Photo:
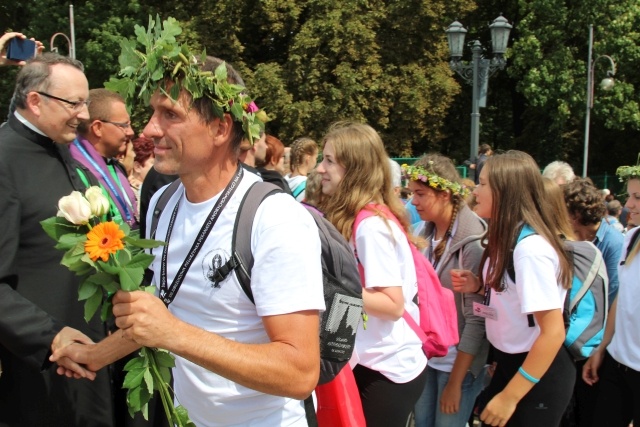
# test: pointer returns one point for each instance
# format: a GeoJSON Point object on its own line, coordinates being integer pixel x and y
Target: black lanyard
{"type": "Point", "coordinates": [167, 294]}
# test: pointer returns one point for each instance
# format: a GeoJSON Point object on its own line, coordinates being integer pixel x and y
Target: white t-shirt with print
{"type": "Point", "coordinates": [286, 278]}
{"type": "Point", "coordinates": [536, 266]}
{"type": "Point", "coordinates": [391, 348]}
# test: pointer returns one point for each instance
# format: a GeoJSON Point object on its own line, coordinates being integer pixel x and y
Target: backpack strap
{"type": "Point", "coordinates": [299, 188]}
{"type": "Point", "coordinates": [367, 212]}
{"type": "Point", "coordinates": [632, 242]}
{"type": "Point", "coordinates": [525, 231]}
{"type": "Point", "coordinates": [596, 266]}
{"type": "Point", "coordinates": [161, 204]}
{"type": "Point", "coordinates": [241, 259]}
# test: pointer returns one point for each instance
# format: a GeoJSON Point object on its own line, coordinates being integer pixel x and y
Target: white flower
{"type": "Point", "coordinates": [99, 203]}
{"type": "Point", "coordinates": [75, 208]}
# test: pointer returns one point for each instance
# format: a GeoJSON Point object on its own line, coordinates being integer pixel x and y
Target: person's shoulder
{"type": "Point", "coordinates": [611, 234]}
{"type": "Point", "coordinates": [377, 225]}
{"type": "Point", "coordinates": [533, 245]}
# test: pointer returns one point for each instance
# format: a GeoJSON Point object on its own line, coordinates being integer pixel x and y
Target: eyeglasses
{"type": "Point", "coordinates": [75, 105]}
{"type": "Point", "coordinates": [121, 125]}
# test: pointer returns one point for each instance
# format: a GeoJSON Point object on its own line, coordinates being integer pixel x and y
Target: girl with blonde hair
{"type": "Point", "coordinates": [615, 364]}
{"type": "Point", "coordinates": [534, 377]}
{"type": "Point", "coordinates": [389, 363]}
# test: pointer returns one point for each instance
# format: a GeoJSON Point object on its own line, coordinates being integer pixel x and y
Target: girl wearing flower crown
{"type": "Point", "coordinates": [453, 233]}
{"type": "Point", "coordinates": [534, 377]}
{"type": "Point", "coordinates": [390, 365]}
{"type": "Point", "coordinates": [615, 364]}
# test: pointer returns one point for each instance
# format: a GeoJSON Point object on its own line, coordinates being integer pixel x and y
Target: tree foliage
{"type": "Point", "coordinates": [386, 62]}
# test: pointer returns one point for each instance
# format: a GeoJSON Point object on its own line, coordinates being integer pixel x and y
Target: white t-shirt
{"type": "Point", "coordinates": [286, 278]}
{"type": "Point", "coordinates": [536, 265]}
{"type": "Point", "coordinates": [391, 348]}
{"type": "Point", "coordinates": [625, 344]}
{"type": "Point", "coordinates": [294, 182]}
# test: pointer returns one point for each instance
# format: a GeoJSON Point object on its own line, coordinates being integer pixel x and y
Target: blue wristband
{"type": "Point", "coordinates": [527, 376]}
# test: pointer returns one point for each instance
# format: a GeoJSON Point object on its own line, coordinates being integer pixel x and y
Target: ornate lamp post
{"type": "Point", "coordinates": [606, 84]}
{"type": "Point", "coordinates": [71, 41]}
{"type": "Point", "coordinates": [479, 69]}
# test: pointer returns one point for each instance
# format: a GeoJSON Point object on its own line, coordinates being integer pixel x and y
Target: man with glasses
{"type": "Point", "coordinates": [39, 308]}
{"type": "Point", "coordinates": [100, 139]}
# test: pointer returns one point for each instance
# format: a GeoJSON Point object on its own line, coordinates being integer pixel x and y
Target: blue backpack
{"type": "Point", "coordinates": [586, 305]}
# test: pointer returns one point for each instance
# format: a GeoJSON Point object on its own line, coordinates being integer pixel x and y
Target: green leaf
{"type": "Point", "coordinates": [101, 278]}
{"type": "Point", "coordinates": [120, 86]}
{"type": "Point", "coordinates": [164, 359]}
{"type": "Point", "coordinates": [138, 362]}
{"type": "Point", "coordinates": [111, 287]}
{"type": "Point", "coordinates": [124, 257]}
{"type": "Point", "coordinates": [80, 267]}
{"type": "Point", "coordinates": [57, 226]}
{"type": "Point", "coordinates": [87, 289]}
{"type": "Point", "coordinates": [70, 240]}
{"type": "Point", "coordinates": [108, 268]}
{"type": "Point", "coordinates": [149, 289]}
{"type": "Point", "coordinates": [125, 228]}
{"type": "Point", "coordinates": [141, 260]}
{"type": "Point", "coordinates": [236, 110]}
{"type": "Point", "coordinates": [91, 305]}
{"type": "Point", "coordinates": [144, 243]}
{"type": "Point", "coordinates": [165, 374]}
{"type": "Point", "coordinates": [183, 417]}
{"type": "Point", "coordinates": [130, 278]}
{"type": "Point", "coordinates": [148, 381]}
{"type": "Point", "coordinates": [69, 258]}
{"type": "Point", "coordinates": [138, 399]}
{"type": "Point", "coordinates": [134, 377]}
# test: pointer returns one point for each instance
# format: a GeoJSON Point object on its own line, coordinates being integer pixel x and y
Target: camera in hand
{"type": "Point", "coordinates": [21, 49]}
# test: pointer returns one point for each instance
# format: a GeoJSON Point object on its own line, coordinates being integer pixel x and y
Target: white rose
{"type": "Point", "coordinates": [75, 208]}
{"type": "Point", "coordinates": [99, 203]}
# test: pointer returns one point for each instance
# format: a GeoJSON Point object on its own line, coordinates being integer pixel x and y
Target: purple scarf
{"type": "Point", "coordinates": [120, 200]}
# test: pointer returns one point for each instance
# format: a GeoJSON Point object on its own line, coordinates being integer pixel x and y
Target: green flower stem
{"type": "Point", "coordinates": [165, 394]}
{"type": "Point", "coordinates": [163, 389]}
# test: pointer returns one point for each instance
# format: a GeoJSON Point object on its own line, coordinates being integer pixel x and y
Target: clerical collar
{"type": "Point", "coordinates": [28, 124]}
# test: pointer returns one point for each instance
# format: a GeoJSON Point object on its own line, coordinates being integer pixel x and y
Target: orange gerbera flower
{"type": "Point", "coordinates": [104, 239]}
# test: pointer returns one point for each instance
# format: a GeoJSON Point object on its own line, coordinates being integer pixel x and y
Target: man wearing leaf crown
{"type": "Point", "coordinates": [237, 362]}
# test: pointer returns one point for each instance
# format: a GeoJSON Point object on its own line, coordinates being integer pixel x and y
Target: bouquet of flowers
{"type": "Point", "coordinates": [111, 257]}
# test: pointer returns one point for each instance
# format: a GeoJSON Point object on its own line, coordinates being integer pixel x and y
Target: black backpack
{"type": "Point", "coordinates": [340, 277]}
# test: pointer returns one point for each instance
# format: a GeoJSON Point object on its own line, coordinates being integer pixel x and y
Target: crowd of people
{"type": "Point", "coordinates": [242, 361]}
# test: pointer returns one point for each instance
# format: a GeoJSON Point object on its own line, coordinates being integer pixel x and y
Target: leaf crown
{"type": "Point", "coordinates": [433, 180]}
{"type": "Point", "coordinates": [165, 65]}
{"type": "Point", "coordinates": [628, 172]}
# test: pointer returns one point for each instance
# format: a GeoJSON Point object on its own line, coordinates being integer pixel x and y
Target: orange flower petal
{"type": "Point", "coordinates": [103, 240]}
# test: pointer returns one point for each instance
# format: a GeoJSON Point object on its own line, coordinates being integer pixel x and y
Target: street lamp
{"type": "Point", "coordinates": [478, 71]}
{"type": "Point", "coordinates": [606, 84]}
{"type": "Point", "coordinates": [71, 41]}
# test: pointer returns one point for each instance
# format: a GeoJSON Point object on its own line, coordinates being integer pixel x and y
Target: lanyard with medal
{"type": "Point", "coordinates": [168, 293]}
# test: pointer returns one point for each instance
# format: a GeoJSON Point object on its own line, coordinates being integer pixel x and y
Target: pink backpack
{"type": "Point", "coordinates": [438, 329]}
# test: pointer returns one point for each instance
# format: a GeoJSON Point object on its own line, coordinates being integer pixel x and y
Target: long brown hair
{"type": "Point", "coordinates": [518, 197]}
{"type": "Point", "coordinates": [359, 149]}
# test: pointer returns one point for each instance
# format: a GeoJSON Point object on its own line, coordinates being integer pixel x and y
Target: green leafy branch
{"type": "Point", "coordinates": [150, 371]}
{"type": "Point", "coordinates": [162, 64]}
